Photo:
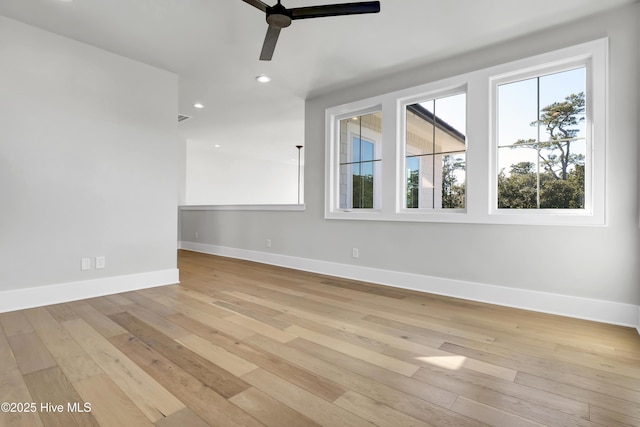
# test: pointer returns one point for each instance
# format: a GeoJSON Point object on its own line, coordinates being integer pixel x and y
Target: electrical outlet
{"type": "Point", "coordinates": [85, 264]}
{"type": "Point", "coordinates": [268, 243]}
{"type": "Point", "coordinates": [355, 253]}
{"type": "Point", "coordinates": [101, 262]}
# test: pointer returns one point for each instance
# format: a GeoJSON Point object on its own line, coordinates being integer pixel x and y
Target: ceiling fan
{"type": "Point", "coordinates": [279, 17]}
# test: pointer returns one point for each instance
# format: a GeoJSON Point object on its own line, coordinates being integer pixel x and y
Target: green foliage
{"type": "Point", "coordinates": [363, 191]}
{"type": "Point", "coordinates": [560, 181]}
{"type": "Point", "coordinates": [453, 194]}
{"type": "Point", "coordinates": [413, 188]}
{"type": "Point", "coordinates": [519, 190]}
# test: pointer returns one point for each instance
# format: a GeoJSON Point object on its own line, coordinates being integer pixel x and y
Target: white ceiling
{"type": "Point", "coordinates": [213, 45]}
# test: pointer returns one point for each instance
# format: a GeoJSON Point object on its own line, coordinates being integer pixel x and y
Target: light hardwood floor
{"type": "Point", "coordinates": [245, 344]}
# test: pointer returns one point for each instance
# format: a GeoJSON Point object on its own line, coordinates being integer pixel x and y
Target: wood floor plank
{"type": "Point", "coordinates": [52, 388]}
{"type": "Point", "coordinates": [428, 332]}
{"type": "Point", "coordinates": [62, 312]}
{"type": "Point", "coordinates": [242, 306]}
{"type": "Point", "coordinates": [14, 323]}
{"type": "Point", "coordinates": [610, 418]}
{"type": "Point", "coordinates": [118, 299]}
{"type": "Point", "coordinates": [255, 312]}
{"type": "Point", "coordinates": [213, 376]}
{"type": "Point", "coordinates": [104, 397]}
{"type": "Point", "coordinates": [365, 288]}
{"type": "Point", "coordinates": [403, 394]}
{"type": "Point", "coordinates": [302, 401]}
{"type": "Point", "coordinates": [628, 367]}
{"type": "Point", "coordinates": [203, 401]}
{"type": "Point", "coordinates": [593, 398]}
{"type": "Point", "coordinates": [221, 357]}
{"type": "Point", "coordinates": [285, 302]}
{"type": "Point", "coordinates": [150, 397]}
{"type": "Point", "coordinates": [359, 326]}
{"type": "Point", "coordinates": [183, 418]}
{"type": "Point", "coordinates": [14, 390]}
{"type": "Point", "coordinates": [377, 413]}
{"type": "Point", "coordinates": [490, 415]}
{"type": "Point", "coordinates": [150, 304]}
{"type": "Point", "coordinates": [399, 348]}
{"type": "Point", "coordinates": [270, 411]}
{"type": "Point", "coordinates": [181, 300]}
{"type": "Point", "coordinates": [355, 310]}
{"type": "Point", "coordinates": [372, 357]}
{"type": "Point", "coordinates": [105, 306]}
{"type": "Point", "coordinates": [163, 325]}
{"type": "Point", "coordinates": [316, 384]}
{"type": "Point", "coordinates": [260, 328]}
{"type": "Point", "coordinates": [98, 321]}
{"type": "Point", "coordinates": [535, 404]}
{"type": "Point", "coordinates": [76, 364]}
{"type": "Point", "coordinates": [7, 360]}
{"type": "Point", "coordinates": [543, 363]}
{"type": "Point", "coordinates": [213, 321]}
{"type": "Point", "coordinates": [30, 353]}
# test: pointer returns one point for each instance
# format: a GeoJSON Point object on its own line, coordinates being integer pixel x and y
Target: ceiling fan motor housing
{"type": "Point", "coordinates": [278, 16]}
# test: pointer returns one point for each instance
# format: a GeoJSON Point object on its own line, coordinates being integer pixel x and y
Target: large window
{"type": "Point", "coordinates": [435, 146]}
{"type": "Point", "coordinates": [542, 141]}
{"type": "Point", "coordinates": [360, 138]}
{"type": "Point", "coordinates": [517, 143]}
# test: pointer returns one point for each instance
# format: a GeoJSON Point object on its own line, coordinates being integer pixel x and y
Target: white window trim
{"type": "Point", "coordinates": [332, 177]}
{"type": "Point", "coordinates": [481, 154]}
{"type": "Point", "coordinates": [402, 148]}
{"type": "Point", "coordinates": [366, 135]}
{"type": "Point", "coordinates": [593, 56]}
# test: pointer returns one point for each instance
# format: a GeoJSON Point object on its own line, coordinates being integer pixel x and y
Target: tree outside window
{"type": "Point", "coordinates": [542, 167]}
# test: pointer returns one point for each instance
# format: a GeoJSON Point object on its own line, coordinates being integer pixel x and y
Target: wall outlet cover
{"type": "Point", "coordinates": [101, 262]}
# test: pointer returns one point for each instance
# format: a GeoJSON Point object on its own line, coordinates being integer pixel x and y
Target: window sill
{"type": "Point", "coordinates": [242, 208]}
{"type": "Point", "coordinates": [461, 217]}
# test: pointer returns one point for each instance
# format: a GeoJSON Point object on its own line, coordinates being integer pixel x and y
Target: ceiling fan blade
{"type": "Point", "coordinates": [269, 43]}
{"type": "Point", "coordinates": [335, 10]}
{"type": "Point", "coordinates": [257, 4]}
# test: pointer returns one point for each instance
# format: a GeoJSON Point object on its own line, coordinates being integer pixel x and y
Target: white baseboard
{"type": "Point", "coordinates": [582, 308]}
{"type": "Point", "coordinates": [19, 299]}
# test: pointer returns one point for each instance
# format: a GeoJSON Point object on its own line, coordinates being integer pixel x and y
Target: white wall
{"type": "Point", "coordinates": [88, 149]}
{"type": "Point", "coordinates": [598, 263]}
{"type": "Point", "coordinates": [219, 177]}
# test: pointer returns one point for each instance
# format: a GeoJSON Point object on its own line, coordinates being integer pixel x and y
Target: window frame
{"type": "Point", "coordinates": [402, 105]}
{"type": "Point", "coordinates": [332, 177]}
{"type": "Point", "coordinates": [366, 135]}
{"type": "Point", "coordinates": [481, 144]}
{"type": "Point", "coordinates": [592, 56]}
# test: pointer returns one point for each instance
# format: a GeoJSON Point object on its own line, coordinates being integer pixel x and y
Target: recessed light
{"type": "Point", "coordinates": [198, 105]}
{"type": "Point", "coordinates": [263, 79]}
{"type": "Point", "coordinates": [216, 146]}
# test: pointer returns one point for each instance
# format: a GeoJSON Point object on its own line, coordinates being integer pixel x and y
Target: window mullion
{"type": "Point", "coordinates": [387, 198]}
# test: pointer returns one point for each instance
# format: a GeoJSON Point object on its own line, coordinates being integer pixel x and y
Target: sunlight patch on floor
{"type": "Point", "coordinates": [448, 362]}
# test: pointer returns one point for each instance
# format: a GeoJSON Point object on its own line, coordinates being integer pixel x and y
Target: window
{"type": "Point", "coordinates": [517, 143]}
{"type": "Point", "coordinates": [542, 141]}
{"type": "Point", "coordinates": [435, 146]}
{"type": "Point", "coordinates": [360, 138]}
